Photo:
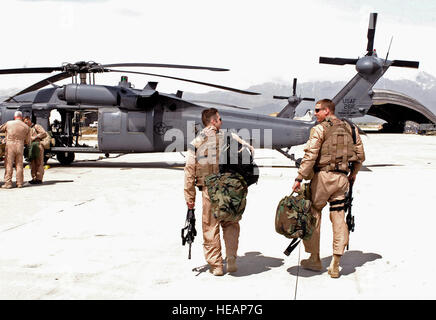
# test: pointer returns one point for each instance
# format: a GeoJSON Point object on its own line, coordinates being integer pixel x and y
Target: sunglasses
{"type": "Point", "coordinates": [318, 110]}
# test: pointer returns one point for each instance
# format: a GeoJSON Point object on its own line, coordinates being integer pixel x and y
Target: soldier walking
{"type": "Point", "coordinates": [37, 134]}
{"type": "Point", "coordinates": [333, 156]}
{"type": "Point", "coordinates": [17, 135]}
{"type": "Point", "coordinates": [203, 160]}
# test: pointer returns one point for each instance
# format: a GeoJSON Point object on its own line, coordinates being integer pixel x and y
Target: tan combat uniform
{"type": "Point", "coordinates": [38, 133]}
{"type": "Point", "coordinates": [17, 135]}
{"type": "Point", "coordinates": [325, 162]}
{"type": "Point", "coordinates": [203, 160]}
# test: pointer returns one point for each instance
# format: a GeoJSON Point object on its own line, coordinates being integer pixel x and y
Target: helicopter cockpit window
{"type": "Point", "coordinates": [112, 122]}
{"type": "Point", "coordinates": [136, 122]}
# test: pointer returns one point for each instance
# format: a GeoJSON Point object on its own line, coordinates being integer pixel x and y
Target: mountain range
{"type": "Point", "coordinates": [423, 89]}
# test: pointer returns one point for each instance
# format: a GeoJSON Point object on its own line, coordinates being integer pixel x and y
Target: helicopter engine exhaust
{"type": "Point", "coordinates": [89, 94]}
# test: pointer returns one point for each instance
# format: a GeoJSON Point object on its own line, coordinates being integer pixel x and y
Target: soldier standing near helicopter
{"type": "Point", "coordinates": [37, 134]}
{"type": "Point", "coordinates": [17, 135]}
{"type": "Point", "coordinates": [202, 160]}
{"type": "Point", "coordinates": [333, 156]}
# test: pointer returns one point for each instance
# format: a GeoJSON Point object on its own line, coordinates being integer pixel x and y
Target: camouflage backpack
{"type": "Point", "coordinates": [227, 193]}
{"type": "Point", "coordinates": [294, 218]}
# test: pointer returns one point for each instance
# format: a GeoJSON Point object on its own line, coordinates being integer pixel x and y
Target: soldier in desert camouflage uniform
{"type": "Point", "coordinates": [203, 160]}
{"type": "Point", "coordinates": [17, 135]}
{"type": "Point", "coordinates": [37, 134]}
{"type": "Point", "coordinates": [333, 156]}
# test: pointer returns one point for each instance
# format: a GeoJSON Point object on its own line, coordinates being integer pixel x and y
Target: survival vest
{"type": "Point", "coordinates": [47, 141]}
{"type": "Point", "coordinates": [338, 148]}
{"type": "Point", "coordinates": [207, 147]}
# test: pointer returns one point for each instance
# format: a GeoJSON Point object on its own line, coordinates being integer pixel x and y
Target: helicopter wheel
{"type": "Point", "coordinates": [65, 158]}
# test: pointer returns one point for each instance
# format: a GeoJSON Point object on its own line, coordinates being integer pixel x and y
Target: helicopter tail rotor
{"type": "Point", "coordinates": [370, 63]}
{"type": "Point", "coordinates": [405, 63]}
{"type": "Point", "coordinates": [293, 101]}
{"type": "Point", "coordinates": [371, 33]}
{"type": "Point", "coordinates": [337, 61]}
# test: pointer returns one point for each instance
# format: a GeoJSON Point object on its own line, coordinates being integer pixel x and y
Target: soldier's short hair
{"type": "Point", "coordinates": [26, 117]}
{"type": "Point", "coordinates": [328, 104]}
{"type": "Point", "coordinates": [18, 114]}
{"type": "Point", "coordinates": [207, 115]}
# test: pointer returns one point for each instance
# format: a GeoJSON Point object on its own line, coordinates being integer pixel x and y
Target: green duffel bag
{"type": "Point", "coordinates": [33, 151]}
{"type": "Point", "coordinates": [228, 195]}
{"type": "Point", "coordinates": [293, 216]}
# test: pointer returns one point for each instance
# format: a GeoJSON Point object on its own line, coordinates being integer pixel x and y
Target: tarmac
{"type": "Point", "coordinates": [110, 228]}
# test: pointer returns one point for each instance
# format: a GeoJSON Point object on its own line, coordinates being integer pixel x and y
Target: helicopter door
{"type": "Point", "coordinates": [124, 131]}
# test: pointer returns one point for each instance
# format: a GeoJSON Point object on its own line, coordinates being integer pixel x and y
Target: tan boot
{"type": "Point", "coordinates": [313, 263]}
{"type": "Point", "coordinates": [333, 269]}
{"type": "Point", "coordinates": [216, 271]}
{"type": "Point", "coordinates": [231, 264]}
{"type": "Point", "coordinates": [6, 186]}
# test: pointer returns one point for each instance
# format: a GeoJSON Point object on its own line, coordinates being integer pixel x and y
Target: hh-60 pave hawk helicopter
{"type": "Point", "coordinates": [134, 120]}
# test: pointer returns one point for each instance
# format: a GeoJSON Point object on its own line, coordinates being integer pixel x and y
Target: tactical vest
{"type": "Point", "coordinates": [207, 158]}
{"type": "Point", "coordinates": [338, 148]}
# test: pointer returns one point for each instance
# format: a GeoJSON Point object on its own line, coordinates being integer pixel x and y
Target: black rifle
{"type": "Point", "coordinates": [190, 230]}
{"type": "Point", "coordinates": [348, 205]}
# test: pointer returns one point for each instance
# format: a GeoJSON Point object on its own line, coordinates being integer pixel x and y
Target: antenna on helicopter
{"type": "Point", "coordinates": [389, 49]}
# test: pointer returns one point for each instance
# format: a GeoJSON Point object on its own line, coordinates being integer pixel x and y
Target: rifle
{"type": "Point", "coordinates": [190, 230]}
{"type": "Point", "coordinates": [348, 205]}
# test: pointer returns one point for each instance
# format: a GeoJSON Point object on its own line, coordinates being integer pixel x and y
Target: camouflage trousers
{"type": "Point", "coordinates": [211, 234]}
{"type": "Point", "coordinates": [14, 154]}
{"type": "Point", "coordinates": [327, 187]}
{"type": "Point", "coordinates": [37, 165]}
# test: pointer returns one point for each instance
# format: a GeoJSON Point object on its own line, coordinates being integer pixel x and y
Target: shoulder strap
{"type": "Point", "coordinates": [353, 129]}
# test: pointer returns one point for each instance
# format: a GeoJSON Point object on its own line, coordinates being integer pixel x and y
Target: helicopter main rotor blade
{"type": "Point", "coordinates": [371, 32]}
{"type": "Point", "coordinates": [187, 80]}
{"type": "Point", "coordinates": [162, 65]}
{"type": "Point", "coordinates": [405, 63]}
{"type": "Point", "coordinates": [219, 104]}
{"type": "Point", "coordinates": [42, 83]}
{"type": "Point", "coordinates": [30, 70]}
{"type": "Point", "coordinates": [308, 99]}
{"type": "Point", "coordinates": [338, 61]}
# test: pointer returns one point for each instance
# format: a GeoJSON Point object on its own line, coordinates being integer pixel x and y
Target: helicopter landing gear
{"type": "Point", "coordinates": [65, 158]}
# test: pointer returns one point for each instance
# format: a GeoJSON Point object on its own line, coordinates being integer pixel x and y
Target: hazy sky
{"type": "Point", "coordinates": [259, 41]}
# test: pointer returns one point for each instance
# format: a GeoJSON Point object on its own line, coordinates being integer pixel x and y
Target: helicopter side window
{"type": "Point", "coordinates": [112, 122]}
{"type": "Point", "coordinates": [136, 121]}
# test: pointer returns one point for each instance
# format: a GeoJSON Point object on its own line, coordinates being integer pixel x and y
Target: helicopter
{"type": "Point", "coordinates": [134, 120]}
{"type": "Point", "coordinates": [145, 120]}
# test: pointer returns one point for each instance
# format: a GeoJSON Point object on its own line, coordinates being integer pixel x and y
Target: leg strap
{"type": "Point", "coordinates": [337, 208]}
